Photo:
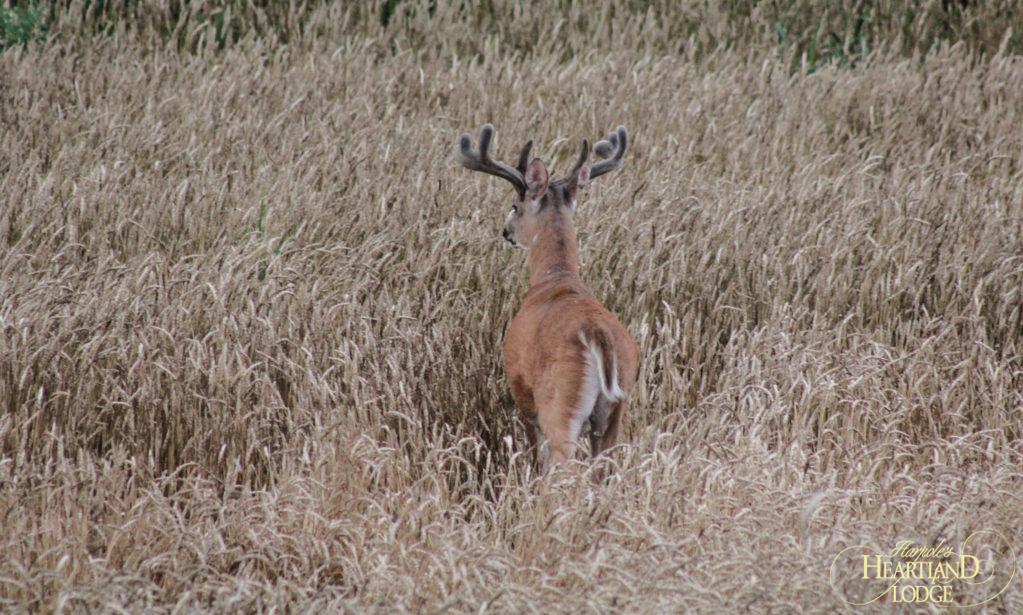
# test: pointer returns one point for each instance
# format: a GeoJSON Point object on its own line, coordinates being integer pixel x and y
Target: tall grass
{"type": "Point", "coordinates": [250, 310]}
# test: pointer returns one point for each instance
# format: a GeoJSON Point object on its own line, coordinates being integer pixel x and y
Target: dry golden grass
{"type": "Point", "coordinates": [250, 314]}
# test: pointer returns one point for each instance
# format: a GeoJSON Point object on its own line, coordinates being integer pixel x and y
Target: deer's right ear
{"type": "Point", "coordinates": [537, 179]}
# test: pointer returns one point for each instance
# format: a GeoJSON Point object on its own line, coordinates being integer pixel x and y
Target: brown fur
{"type": "Point", "coordinates": [544, 359]}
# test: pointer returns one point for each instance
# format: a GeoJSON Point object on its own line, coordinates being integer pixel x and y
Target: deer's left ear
{"type": "Point", "coordinates": [583, 176]}
{"type": "Point", "coordinates": [536, 179]}
{"type": "Point", "coordinates": [577, 181]}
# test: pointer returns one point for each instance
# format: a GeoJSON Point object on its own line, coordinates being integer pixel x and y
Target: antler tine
{"type": "Point", "coordinates": [612, 151]}
{"type": "Point", "coordinates": [584, 155]}
{"type": "Point", "coordinates": [524, 157]}
{"type": "Point", "coordinates": [481, 160]}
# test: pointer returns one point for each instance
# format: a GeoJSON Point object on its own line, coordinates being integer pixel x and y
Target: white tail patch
{"type": "Point", "coordinates": [610, 390]}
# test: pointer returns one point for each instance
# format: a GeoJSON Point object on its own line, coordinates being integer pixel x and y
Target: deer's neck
{"type": "Point", "coordinates": [554, 250]}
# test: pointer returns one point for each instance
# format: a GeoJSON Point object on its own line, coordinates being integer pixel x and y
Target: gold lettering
{"type": "Point", "coordinates": [876, 566]}
{"type": "Point", "coordinates": [962, 567]}
{"type": "Point", "coordinates": [900, 547]}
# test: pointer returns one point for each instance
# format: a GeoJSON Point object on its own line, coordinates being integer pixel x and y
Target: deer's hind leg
{"type": "Point", "coordinates": [564, 406]}
{"type": "Point", "coordinates": [539, 453]}
{"type": "Point", "coordinates": [600, 442]}
{"type": "Point", "coordinates": [598, 424]}
{"type": "Point", "coordinates": [561, 441]}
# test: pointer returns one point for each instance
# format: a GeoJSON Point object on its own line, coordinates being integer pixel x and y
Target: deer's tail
{"type": "Point", "coordinates": [601, 354]}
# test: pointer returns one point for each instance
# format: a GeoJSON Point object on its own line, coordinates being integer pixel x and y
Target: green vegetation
{"type": "Point", "coordinates": [812, 33]}
{"type": "Point", "coordinates": [21, 25]}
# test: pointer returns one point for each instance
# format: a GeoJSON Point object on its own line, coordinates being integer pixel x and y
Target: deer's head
{"type": "Point", "coordinates": [540, 201]}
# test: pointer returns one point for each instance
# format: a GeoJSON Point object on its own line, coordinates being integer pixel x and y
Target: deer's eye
{"type": "Point", "coordinates": [515, 209]}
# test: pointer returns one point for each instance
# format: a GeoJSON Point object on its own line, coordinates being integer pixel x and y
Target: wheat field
{"type": "Point", "coordinates": [251, 310]}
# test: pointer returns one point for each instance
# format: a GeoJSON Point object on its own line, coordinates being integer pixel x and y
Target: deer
{"type": "Point", "coordinates": [569, 362]}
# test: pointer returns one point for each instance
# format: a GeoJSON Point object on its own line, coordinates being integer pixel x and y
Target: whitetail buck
{"type": "Point", "coordinates": [570, 363]}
